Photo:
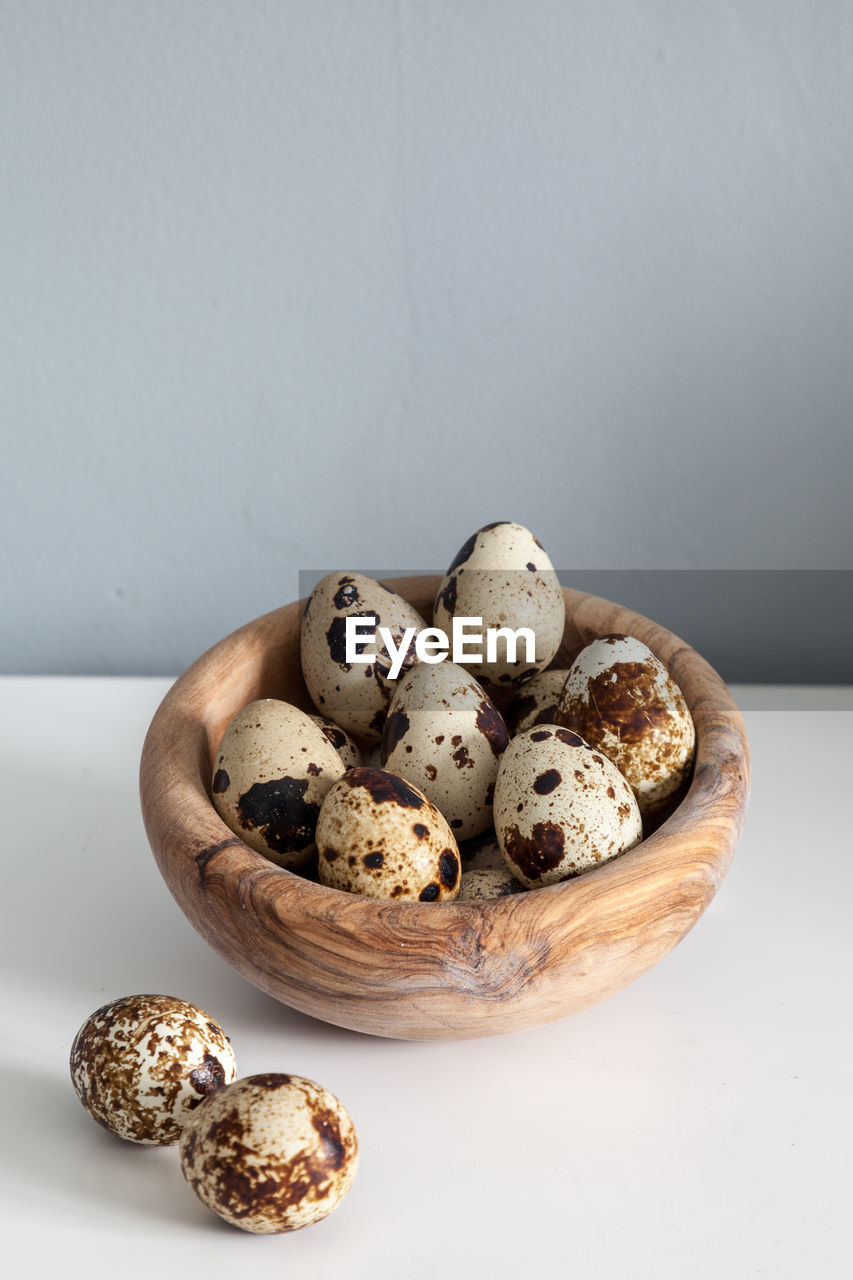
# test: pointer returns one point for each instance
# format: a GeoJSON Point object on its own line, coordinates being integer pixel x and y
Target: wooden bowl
{"type": "Point", "coordinates": [429, 971]}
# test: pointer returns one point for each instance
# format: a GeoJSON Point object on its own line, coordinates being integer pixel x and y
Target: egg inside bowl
{"type": "Point", "coordinates": [424, 971]}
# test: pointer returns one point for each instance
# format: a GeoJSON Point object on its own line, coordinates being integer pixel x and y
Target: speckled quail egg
{"type": "Point", "coordinates": [272, 770]}
{"type": "Point", "coordinates": [502, 575]}
{"type": "Point", "coordinates": [482, 852]}
{"type": "Point", "coordinates": [355, 695]}
{"type": "Point", "coordinates": [624, 701]}
{"type": "Point", "coordinates": [561, 807]}
{"type": "Point", "coordinates": [340, 740]}
{"type": "Point", "coordinates": [142, 1064]}
{"type": "Point", "coordinates": [446, 736]}
{"type": "Point", "coordinates": [271, 1153]}
{"type": "Point", "coordinates": [381, 837]}
{"type": "Point", "coordinates": [536, 701]}
{"type": "Point", "coordinates": [481, 884]}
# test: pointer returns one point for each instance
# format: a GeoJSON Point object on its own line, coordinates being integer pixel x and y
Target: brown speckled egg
{"type": "Point", "coordinates": [142, 1064]}
{"type": "Point", "coordinates": [561, 807]}
{"type": "Point", "coordinates": [272, 770]}
{"type": "Point", "coordinates": [481, 884]}
{"type": "Point", "coordinates": [536, 701]}
{"type": "Point", "coordinates": [482, 853]}
{"type": "Point", "coordinates": [353, 695]}
{"type": "Point", "coordinates": [381, 837]}
{"type": "Point", "coordinates": [340, 740]}
{"type": "Point", "coordinates": [271, 1153]}
{"type": "Point", "coordinates": [623, 700]}
{"type": "Point", "coordinates": [446, 736]}
{"type": "Point", "coordinates": [503, 576]}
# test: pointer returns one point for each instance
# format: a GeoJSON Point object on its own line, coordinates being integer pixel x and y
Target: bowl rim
{"type": "Point", "coordinates": [217, 879]}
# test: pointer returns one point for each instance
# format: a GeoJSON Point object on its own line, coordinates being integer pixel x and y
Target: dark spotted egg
{"type": "Point", "coordinates": [355, 695]}
{"type": "Point", "coordinates": [272, 770]}
{"type": "Point", "coordinates": [536, 701]}
{"type": "Point", "coordinates": [381, 837]}
{"type": "Point", "coordinates": [271, 1153]}
{"type": "Point", "coordinates": [142, 1064]}
{"type": "Point", "coordinates": [482, 853]}
{"type": "Point", "coordinates": [623, 700]}
{"type": "Point", "coordinates": [481, 884]}
{"type": "Point", "coordinates": [503, 575]}
{"type": "Point", "coordinates": [444, 734]}
{"type": "Point", "coordinates": [340, 740]}
{"type": "Point", "coordinates": [561, 807]}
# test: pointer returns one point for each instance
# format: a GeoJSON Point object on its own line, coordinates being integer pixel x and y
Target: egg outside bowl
{"type": "Point", "coordinates": [432, 971]}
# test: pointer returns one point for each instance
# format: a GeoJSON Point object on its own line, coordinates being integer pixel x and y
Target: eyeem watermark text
{"type": "Point", "coordinates": [433, 645]}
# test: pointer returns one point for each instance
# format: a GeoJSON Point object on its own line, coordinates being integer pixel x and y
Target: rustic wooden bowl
{"type": "Point", "coordinates": [429, 971]}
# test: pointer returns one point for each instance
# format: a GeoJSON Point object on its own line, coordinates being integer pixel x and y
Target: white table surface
{"type": "Point", "coordinates": [698, 1124]}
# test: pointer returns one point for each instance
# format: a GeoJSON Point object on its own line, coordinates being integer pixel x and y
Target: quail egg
{"type": "Point", "coordinates": [141, 1065]}
{"type": "Point", "coordinates": [272, 770]}
{"type": "Point", "coordinates": [561, 807]}
{"type": "Point", "coordinates": [355, 695]}
{"type": "Point", "coordinates": [340, 740]}
{"type": "Point", "coordinates": [482, 853]}
{"type": "Point", "coordinates": [381, 837]}
{"type": "Point", "coordinates": [536, 701]}
{"type": "Point", "coordinates": [503, 575]}
{"type": "Point", "coordinates": [623, 700]}
{"type": "Point", "coordinates": [271, 1153]}
{"type": "Point", "coordinates": [444, 734]}
{"type": "Point", "coordinates": [480, 884]}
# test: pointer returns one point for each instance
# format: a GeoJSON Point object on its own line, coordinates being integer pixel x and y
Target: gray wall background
{"type": "Point", "coordinates": [293, 285]}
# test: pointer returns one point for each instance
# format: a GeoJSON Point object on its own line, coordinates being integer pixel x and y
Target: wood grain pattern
{"type": "Point", "coordinates": [434, 971]}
